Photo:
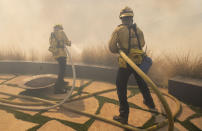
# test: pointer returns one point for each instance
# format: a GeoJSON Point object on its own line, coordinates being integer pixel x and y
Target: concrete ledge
{"type": "Point", "coordinates": [186, 89]}
{"type": "Point", "coordinates": [36, 68]}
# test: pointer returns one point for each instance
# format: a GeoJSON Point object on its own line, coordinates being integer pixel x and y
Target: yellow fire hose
{"type": "Point", "coordinates": [154, 87]}
{"type": "Point", "coordinates": [147, 79]}
{"type": "Point", "coordinates": [47, 102]}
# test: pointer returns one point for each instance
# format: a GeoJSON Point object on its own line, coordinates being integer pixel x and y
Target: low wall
{"type": "Point", "coordinates": [82, 71]}
{"type": "Point", "coordinates": [186, 89]}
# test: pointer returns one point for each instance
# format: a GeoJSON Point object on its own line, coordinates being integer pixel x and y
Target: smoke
{"type": "Point", "coordinates": [170, 26]}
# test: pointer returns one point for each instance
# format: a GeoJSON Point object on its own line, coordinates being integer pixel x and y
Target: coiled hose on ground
{"type": "Point", "coordinates": [22, 106]}
{"type": "Point", "coordinates": [55, 105]}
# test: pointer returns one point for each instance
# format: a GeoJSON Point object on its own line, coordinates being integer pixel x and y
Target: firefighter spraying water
{"type": "Point", "coordinates": [58, 40]}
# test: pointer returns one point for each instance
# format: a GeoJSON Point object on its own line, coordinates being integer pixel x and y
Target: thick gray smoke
{"type": "Point", "coordinates": [174, 25]}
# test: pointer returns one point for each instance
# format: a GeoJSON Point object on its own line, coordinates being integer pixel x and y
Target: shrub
{"type": "Point", "coordinates": [98, 55]}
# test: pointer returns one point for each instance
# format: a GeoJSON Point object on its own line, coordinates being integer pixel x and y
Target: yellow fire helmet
{"type": "Point", "coordinates": [125, 12]}
{"type": "Point", "coordinates": [58, 26]}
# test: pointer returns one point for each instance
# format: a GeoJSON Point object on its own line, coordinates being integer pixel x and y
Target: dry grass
{"type": "Point", "coordinates": [164, 67]}
{"type": "Point", "coordinates": [48, 58]}
{"type": "Point", "coordinates": [186, 65]}
{"type": "Point", "coordinates": [33, 55]}
{"type": "Point", "coordinates": [20, 55]}
{"type": "Point", "coordinates": [98, 55]}
{"type": "Point", "coordinates": [12, 54]}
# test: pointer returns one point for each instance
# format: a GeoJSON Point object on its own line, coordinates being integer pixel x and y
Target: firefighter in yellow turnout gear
{"type": "Point", "coordinates": [58, 40]}
{"type": "Point", "coordinates": [130, 39]}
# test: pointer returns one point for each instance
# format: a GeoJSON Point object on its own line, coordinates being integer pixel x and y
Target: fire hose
{"type": "Point", "coordinates": [53, 104]}
{"type": "Point", "coordinates": [154, 88]}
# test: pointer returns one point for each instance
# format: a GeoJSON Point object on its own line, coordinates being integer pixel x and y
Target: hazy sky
{"type": "Point", "coordinates": [168, 25]}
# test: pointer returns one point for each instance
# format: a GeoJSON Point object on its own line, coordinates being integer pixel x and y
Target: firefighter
{"type": "Point", "coordinates": [125, 38]}
{"type": "Point", "coordinates": [58, 40]}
